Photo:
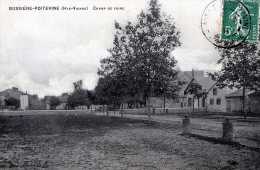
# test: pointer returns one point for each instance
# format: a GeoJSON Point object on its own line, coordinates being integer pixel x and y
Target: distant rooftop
{"type": "Point", "coordinates": [239, 93]}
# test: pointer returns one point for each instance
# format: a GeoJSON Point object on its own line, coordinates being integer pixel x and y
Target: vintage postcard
{"type": "Point", "coordinates": [78, 79]}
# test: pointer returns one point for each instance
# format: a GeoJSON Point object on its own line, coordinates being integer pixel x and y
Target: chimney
{"type": "Point", "coordinates": [192, 73]}
{"type": "Point", "coordinates": [15, 89]}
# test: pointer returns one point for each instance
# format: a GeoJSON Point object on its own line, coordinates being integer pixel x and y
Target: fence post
{"type": "Point", "coordinates": [227, 130]}
{"type": "Point", "coordinates": [186, 125]}
{"type": "Point", "coordinates": [153, 110]}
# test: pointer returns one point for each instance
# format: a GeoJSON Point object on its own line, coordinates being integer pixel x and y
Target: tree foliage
{"type": "Point", "coordinates": [107, 91]}
{"type": "Point", "coordinates": [54, 101]}
{"type": "Point", "coordinates": [140, 60]}
{"type": "Point", "coordinates": [11, 101]}
{"type": "Point", "coordinates": [197, 91]}
{"type": "Point", "coordinates": [80, 96]}
{"type": "Point", "coordinates": [240, 68]}
{"type": "Point", "coordinates": [150, 42]}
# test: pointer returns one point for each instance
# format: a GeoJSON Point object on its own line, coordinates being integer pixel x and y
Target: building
{"type": "Point", "coordinates": [63, 102]}
{"type": "Point", "coordinates": [235, 100]}
{"type": "Point", "coordinates": [214, 102]}
{"type": "Point", "coordinates": [24, 102]}
{"type": "Point", "coordinates": [48, 103]}
{"type": "Point", "coordinates": [27, 102]}
{"type": "Point", "coordinates": [13, 92]}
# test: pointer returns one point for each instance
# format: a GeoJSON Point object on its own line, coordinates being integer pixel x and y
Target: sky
{"type": "Point", "coordinates": [44, 51]}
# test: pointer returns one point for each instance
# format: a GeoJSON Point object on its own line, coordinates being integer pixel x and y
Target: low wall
{"type": "Point", "coordinates": [45, 112]}
{"type": "Point", "coordinates": [159, 111]}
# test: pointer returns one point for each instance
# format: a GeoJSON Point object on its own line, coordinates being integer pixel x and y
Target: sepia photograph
{"type": "Point", "coordinates": [129, 84]}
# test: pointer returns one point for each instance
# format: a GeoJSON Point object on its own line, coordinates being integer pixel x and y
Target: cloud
{"type": "Point", "coordinates": [44, 52]}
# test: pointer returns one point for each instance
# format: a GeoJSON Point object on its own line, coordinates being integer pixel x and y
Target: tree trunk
{"type": "Point", "coordinates": [107, 110]}
{"type": "Point", "coordinates": [114, 108]}
{"type": "Point", "coordinates": [149, 108]}
{"type": "Point", "coordinates": [122, 106]}
{"type": "Point", "coordinates": [164, 103]}
{"type": "Point", "coordinates": [243, 104]}
{"type": "Point", "coordinates": [193, 105]}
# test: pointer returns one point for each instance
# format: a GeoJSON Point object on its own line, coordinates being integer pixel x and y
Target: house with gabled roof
{"type": "Point", "coordinates": [215, 99]}
{"type": "Point", "coordinates": [13, 92]}
{"type": "Point", "coordinates": [214, 102]}
{"type": "Point", "coordinates": [27, 101]}
{"type": "Point", "coordinates": [17, 94]}
{"type": "Point", "coordinates": [235, 100]}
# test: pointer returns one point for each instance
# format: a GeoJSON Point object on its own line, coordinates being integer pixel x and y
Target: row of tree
{"type": "Point", "coordinates": [140, 63]}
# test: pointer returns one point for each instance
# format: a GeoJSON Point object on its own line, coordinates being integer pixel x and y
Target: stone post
{"type": "Point", "coordinates": [227, 130]}
{"type": "Point", "coordinates": [186, 125]}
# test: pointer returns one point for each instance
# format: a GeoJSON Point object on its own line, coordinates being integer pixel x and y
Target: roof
{"type": "Point", "coordinates": [63, 98]}
{"type": "Point", "coordinates": [48, 100]}
{"type": "Point", "coordinates": [239, 93]}
{"type": "Point", "coordinates": [13, 92]}
{"type": "Point", "coordinates": [197, 73]}
{"type": "Point", "coordinates": [255, 94]}
{"type": "Point", "coordinates": [205, 82]}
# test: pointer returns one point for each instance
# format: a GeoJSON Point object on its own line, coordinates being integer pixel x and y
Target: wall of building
{"type": "Point", "coordinates": [24, 102]}
{"type": "Point", "coordinates": [157, 111]}
{"type": "Point", "coordinates": [215, 106]}
{"type": "Point", "coordinates": [218, 104]}
{"type": "Point", "coordinates": [62, 106]}
{"type": "Point", "coordinates": [158, 102]}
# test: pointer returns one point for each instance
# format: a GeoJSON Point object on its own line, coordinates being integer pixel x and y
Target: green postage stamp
{"type": "Point", "coordinates": [240, 20]}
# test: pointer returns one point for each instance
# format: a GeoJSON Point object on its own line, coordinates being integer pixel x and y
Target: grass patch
{"type": "Point", "coordinates": [58, 123]}
{"type": "Point", "coordinates": [222, 142]}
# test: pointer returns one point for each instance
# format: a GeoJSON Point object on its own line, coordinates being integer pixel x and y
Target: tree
{"type": "Point", "coordinates": [107, 91]}
{"type": "Point", "coordinates": [170, 91]}
{"type": "Point", "coordinates": [197, 91]}
{"type": "Point", "coordinates": [78, 85]}
{"type": "Point", "coordinates": [240, 68]}
{"type": "Point", "coordinates": [100, 89]}
{"type": "Point", "coordinates": [115, 69]}
{"type": "Point", "coordinates": [79, 97]}
{"type": "Point", "coordinates": [143, 53]}
{"type": "Point", "coordinates": [11, 101]}
{"type": "Point", "coordinates": [54, 101]}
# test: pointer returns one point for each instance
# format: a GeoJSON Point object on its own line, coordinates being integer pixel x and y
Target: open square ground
{"type": "Point", "coordinates": [69, 141]}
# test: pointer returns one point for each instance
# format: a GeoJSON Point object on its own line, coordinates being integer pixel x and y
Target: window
{"type": "Point", "coordinates": [215, 91]}
{"type": "Point", "coordinates": [189, 102]}
{"type": "Point", "coordinates": [211, 101]}
{"type": "Point", "coordinates": [203, 102]}
{"type": "Point", "coordinates": [218, 101]}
